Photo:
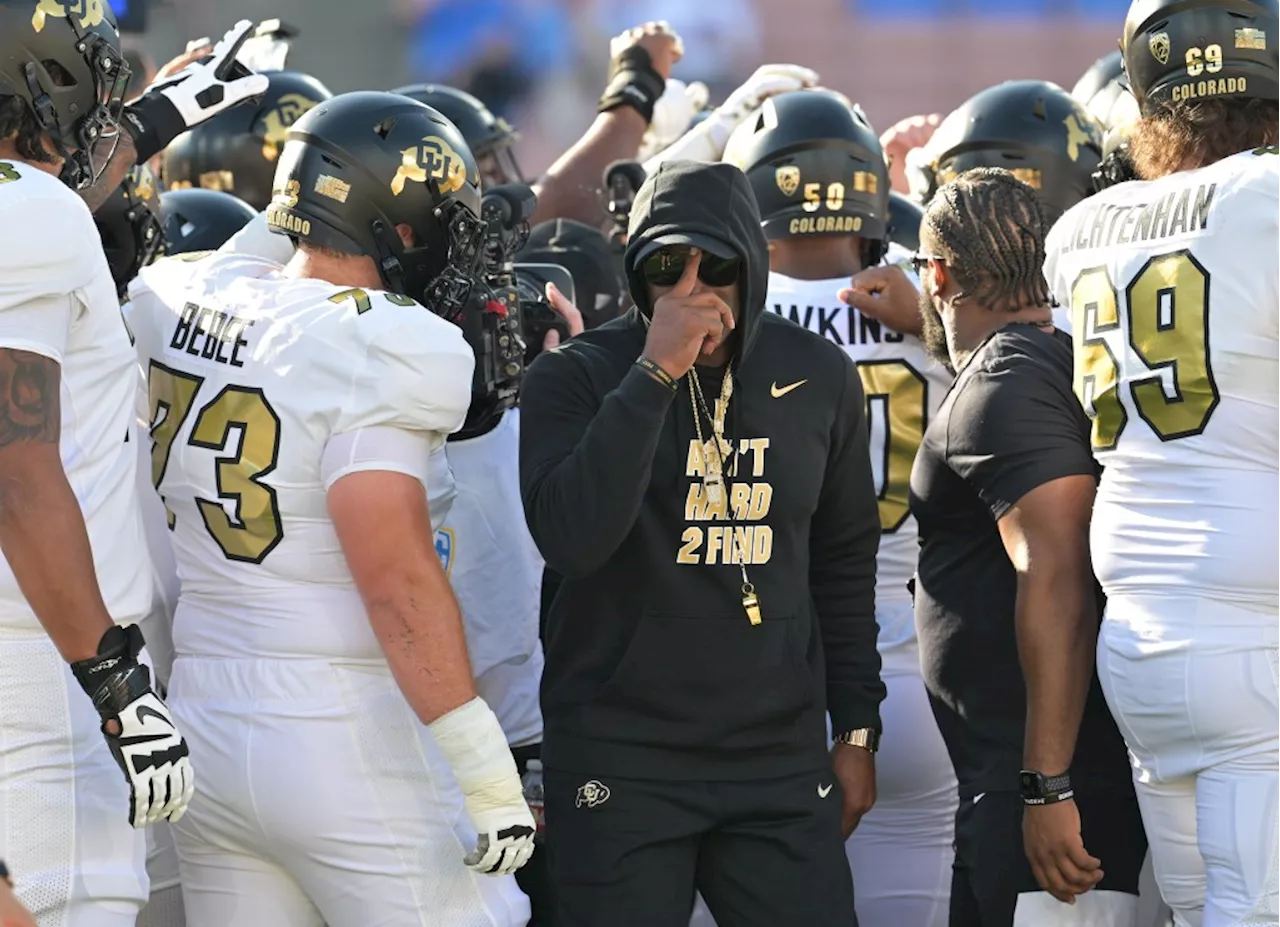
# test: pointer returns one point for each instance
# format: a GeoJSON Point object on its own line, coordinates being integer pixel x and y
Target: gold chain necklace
{"type": "Point", "coordinates": [713, 454]}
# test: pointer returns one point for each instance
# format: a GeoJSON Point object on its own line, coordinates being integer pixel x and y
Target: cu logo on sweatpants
{"type": "Point", "coordinates": [592, 793]}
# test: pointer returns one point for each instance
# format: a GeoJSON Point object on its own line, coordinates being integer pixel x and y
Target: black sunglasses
{"type": "Point", "coordinates": [920, 261]}
{"type": "Point", "coordinates": [666, 265]}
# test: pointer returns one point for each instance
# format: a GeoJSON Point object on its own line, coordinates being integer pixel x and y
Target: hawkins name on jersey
{"type": "Point", "coordinates": [250, 373]}
{"type": "Point", "coordinates": [904, 388]}
{"type": "Point", "coordinates": [1173, 290]}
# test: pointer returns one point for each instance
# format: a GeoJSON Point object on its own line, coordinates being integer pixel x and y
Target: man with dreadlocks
{"type": "Point", "coordinates": [1006, 603]}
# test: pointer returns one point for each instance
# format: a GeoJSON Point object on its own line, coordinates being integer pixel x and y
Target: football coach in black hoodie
{"type": "Point", "coordinates": [698, 471]}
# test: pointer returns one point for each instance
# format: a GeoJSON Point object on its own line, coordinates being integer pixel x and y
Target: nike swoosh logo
{"type": "Point", "coordinates": [823, 793]}
{"type": "Point", "coordinates": [777, 392]}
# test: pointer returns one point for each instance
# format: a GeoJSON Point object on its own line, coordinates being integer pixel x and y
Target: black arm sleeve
{"type": "Point", "coordinates": [1014, 428]}
{"type": "Point", "coordinates": [843, 541]}
{"type": "Point", "coordinates": [585, 462]}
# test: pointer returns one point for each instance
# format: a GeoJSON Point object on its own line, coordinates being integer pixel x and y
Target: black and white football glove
{"type": "Point", "coordinates": [146, 743]}
{"type": "Point", "coordinates": [473, 743]}
{"type": "Point", "coordinates": [198, 92]}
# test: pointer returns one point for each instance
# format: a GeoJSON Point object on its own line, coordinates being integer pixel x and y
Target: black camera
{"type": "Point", "coordinates": [536, 314]}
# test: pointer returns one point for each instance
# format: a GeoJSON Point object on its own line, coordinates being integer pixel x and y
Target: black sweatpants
{"type": "Point", "coordinates": [991, 868]}
{"type": "Point", "coordinates": [628, 853]}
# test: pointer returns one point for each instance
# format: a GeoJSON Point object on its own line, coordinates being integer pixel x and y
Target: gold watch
{"type": "Point", "coordinates": [868, 738]}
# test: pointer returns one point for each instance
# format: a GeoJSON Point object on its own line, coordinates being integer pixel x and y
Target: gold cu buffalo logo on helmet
{"type": "Point", "coordinates": [275, 124]}
{"type": "Point", "coordinates": [144, 182]}
{"type": "Point", "coordinates": [788, 179]}
{"type": "Point", "coordinates": [1077, 135]}
{"type": "Point", "coordinates": [431, 159]}
{"type": "Point", "coordinates": [88, 12]}
{"type": "Point", "coordinates": [1159, 45]}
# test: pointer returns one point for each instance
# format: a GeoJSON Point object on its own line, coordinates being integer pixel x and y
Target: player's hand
{"type": "Point", "coordinates": [196, 50]}
{"type": "Point", "coordinates": [855, 768]}
{"type": "Point", "coordinates": [686, 324]}
{"type": "Point", "coordinates": [672, 114]}
{"type": "Point", "coordinates": [1055, 849]}
{"type": "Point", "coordinates": [664, 46]}
{"type": "Point", "coordinates": [208, 86]}
{"type": "Point", "coordinates": [567, 311]}
{"type": "Point", "coordinates": [138, 728]}
{"type": "Point", "coordinates": [885, 293]}
{"type": "Point", "coordinates": [909, 133]}
{"type": "Point", "coordinates": [12, 913]}
{"type": "Point", "coordinates": [769, 80]}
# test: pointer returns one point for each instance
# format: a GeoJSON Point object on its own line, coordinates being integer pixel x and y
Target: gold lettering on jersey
{"type": "Point", "coordinates": [1253, 39]}
{"type": "Point", "coordinates": [1178, 212]}
{"type": "Point", "coordinates": [431, 159]}
{"type": "Point", "coordinates": [218, 329]}
{"type": "Point", "coordinates": [280, 218]}
{"type": "Point", "coordinates": [88, 12]}
{"type": "Point", "coordinates": [1194, 90]}
{"type": "Point", "coordinates": [732, 542]}
{"type": "Point", "coordinates": [788, 179]}
{"type": "Point", "coordinates": [276, 122]}
{"type": "Point", "coordinates": [817, 225]}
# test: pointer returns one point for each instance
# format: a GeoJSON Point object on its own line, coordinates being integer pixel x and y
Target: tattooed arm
{"type": "Point", "coordinates": [42, 531]}
{"type": "Point", "coordinates": [123, 159]}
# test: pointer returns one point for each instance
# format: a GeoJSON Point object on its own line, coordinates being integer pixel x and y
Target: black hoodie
{"type": "Point", "coordinates": [652, 667]}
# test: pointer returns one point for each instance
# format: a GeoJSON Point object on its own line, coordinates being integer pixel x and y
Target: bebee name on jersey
{"type": "Point", "coordinates": [840, 324]}
{"type": "Point", "coordinates": [219, 329]}
{"type": "Point", "coordinates": [1176, 213]}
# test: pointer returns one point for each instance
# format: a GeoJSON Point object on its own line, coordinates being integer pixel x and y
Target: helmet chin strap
{"type": "Point", "coordinates": [76, 172]}
{"type": "Point", "coordinates": [390, 268]}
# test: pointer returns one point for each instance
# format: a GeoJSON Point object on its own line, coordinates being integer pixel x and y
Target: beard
{"type": "Point", "coordinates": [933, 334]}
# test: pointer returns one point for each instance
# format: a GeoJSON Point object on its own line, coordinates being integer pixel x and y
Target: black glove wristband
{"type": "Point", "coordinates": [633, 82]}
{"type": "Point", "coordinates": [114, 678]}
{"type": "Point", "coordinates": [152, 122]}
{"type": "Point", "coordinates": [4, 873]}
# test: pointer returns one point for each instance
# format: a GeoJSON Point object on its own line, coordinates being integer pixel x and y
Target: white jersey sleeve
{"type": "Point", "coordinates": [1174, 291]}
{"type": "Point", "coordinates": [257, 240]}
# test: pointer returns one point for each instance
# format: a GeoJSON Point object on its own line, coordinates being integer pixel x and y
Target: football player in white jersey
{"type": "Point", "coordinates": [75, 579]}
{"type": "Point", "coordinates": [294, 411]}
{"type": "Point", "coordinates": [1172, 282]}
{"type": "Point", "coordinates": [820, 177]}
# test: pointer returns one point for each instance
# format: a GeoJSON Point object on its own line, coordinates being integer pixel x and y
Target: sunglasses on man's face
{"type": "Point", "coordinates": [920, 261]}
{"type": "Point", "coordinates": [665, 267]}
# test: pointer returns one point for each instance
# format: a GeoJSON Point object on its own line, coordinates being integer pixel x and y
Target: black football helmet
{"type": "Point", "coordinates": [362, 163]}
{"type": "Point", "coordinates": [1184, 50]}
{"type": "Point", "coordinates": [1033, 129]}
{"type": "Point", "coordinates": [237, 150]}
{"type": "Point", "coordinates": [1102, 72]}
{"type": "Point", "coordinates": [816, 168]}
{"type": "Point", "coordinates": [129, 226]}
{"type": "Point", "coordinates": [490, 138]}
{"type": "Point", "coordinates": [905, 216]}
{"type": "Point", "coordinates": [62, 58]}
{"type": "Point", "coordinates": [201, 220]}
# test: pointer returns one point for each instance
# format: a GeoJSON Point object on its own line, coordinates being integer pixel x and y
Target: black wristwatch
{"type": "Point", "coordinates": [1039, 789]}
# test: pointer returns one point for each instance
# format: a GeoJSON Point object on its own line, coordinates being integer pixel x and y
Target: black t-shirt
{"type": "Point", "coordinates": [1010, 423]}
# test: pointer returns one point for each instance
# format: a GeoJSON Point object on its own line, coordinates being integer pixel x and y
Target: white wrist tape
{"type": "Point", "coordinates": [473, 743]}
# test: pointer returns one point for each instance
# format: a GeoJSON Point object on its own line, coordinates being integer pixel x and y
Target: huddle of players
{"type": "Point", "coordinates": [286, 602]}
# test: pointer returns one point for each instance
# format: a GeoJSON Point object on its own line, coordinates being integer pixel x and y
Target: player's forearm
{"type": "Point", "coordinates": [1056, 623]}
{"type": "Point", "coordinates": [571, 188]}
{"type": "Point", "coordinates": [122, 160]}
{"type": "Point", "coordinates": [416, 619]}
{"type": "Point", "coordinates": [44, 540]}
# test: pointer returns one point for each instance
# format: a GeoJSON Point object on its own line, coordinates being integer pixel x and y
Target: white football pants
{"type": "Point", "coordinates": [64, 805]}
{"type": "Point", "coordinates": [1192, 684]}
{"type": "Point", "coordinates": [322, 800]}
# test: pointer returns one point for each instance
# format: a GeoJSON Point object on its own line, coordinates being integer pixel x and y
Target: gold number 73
{"type": "Point", "coordinates": [255, 529]}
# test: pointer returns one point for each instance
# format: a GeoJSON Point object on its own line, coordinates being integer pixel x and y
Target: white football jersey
{"type": "Point", "coordinates": [904, 388]}
{"type": "Point", "coordinates": [51, 262]}
{"type": "Point", "coordinates": [1175, 303]}
{"type": "Point", "coordinates": [250, 373]}
{"type": "Point", "coordinates": [496, 572]}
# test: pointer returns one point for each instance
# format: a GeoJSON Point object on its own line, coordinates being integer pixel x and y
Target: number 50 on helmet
{"type": "Point", "coordinates": [357, 166]}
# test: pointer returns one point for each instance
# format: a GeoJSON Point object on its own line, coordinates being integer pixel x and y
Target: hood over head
{"type": "Point", "coordinates": [709, 206]}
